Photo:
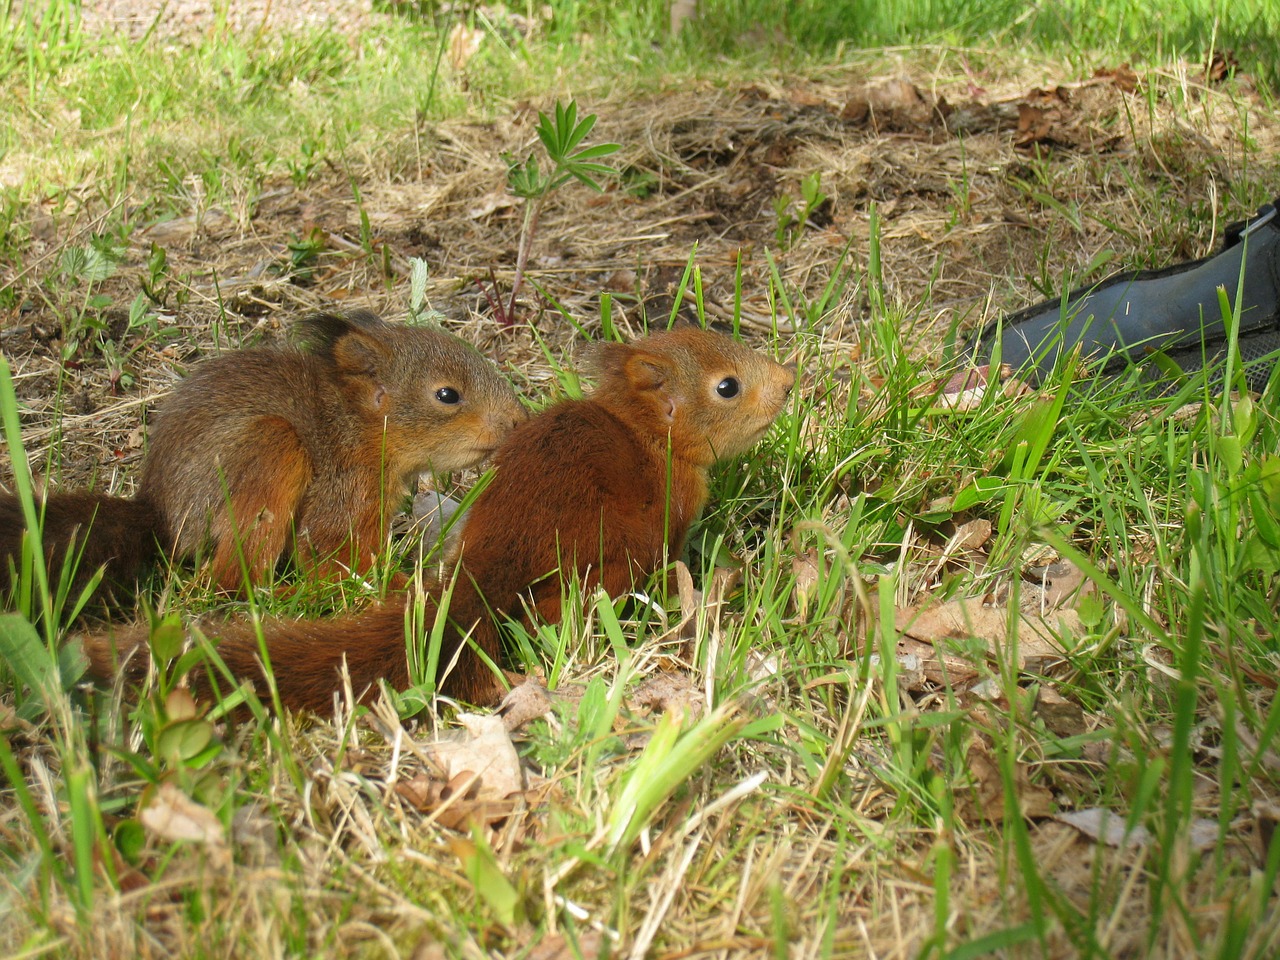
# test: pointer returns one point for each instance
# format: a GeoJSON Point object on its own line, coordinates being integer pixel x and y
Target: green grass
{"type": "Point", "coordinates": [829, 802]}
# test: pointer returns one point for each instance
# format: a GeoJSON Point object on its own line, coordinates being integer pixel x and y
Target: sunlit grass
{"type": "Point", "coordinates": [829, 799]}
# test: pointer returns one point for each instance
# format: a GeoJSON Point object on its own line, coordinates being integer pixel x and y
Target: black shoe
{"type": "Point", "coordinates": [1131, 315]}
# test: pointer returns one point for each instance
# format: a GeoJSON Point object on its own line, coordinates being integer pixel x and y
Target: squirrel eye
{"type": "Point", "coordinates": [448, 395]}
{"type": "Point", "coordinates": [728, 387]}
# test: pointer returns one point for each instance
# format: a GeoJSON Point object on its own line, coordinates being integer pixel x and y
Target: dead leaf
{"type": "Point", "coordinates": [172, 815]}
{"type": "Point", "coordinates": [690, 599]}
{"type": "Point", "coordinates": [986, 802]}
{"type": "Point", "coordinates": [255, 836]}
{"type": "Point", "coordinates": [428, 948]}
{"type": "Point", "coordinates": [1043, 117]}
{"type": "Point", "coordinates": [454, 805]}
{"type": "Point", "coordinates": [970, 536]}
{"type": "Point", "coordinates": [964, 390]}
{"type": "Point", "coordinates": [969, 619]}
{"type": "Point", "coordinates": [1222, 65]}
{"type": "Point", "coordinates": [894, 103]}
{"type": "Point", "coordinates": [724, 580]}
{"type": "Point", "coordinates": [1063, 717]}
{"type": "Point", "coordinates": [805, 570]}
{"type": "Point", "coordinates": [1251, 748]}
{"type": "Point", "coordinates": [761, 667]}
{"type": "Point", "coordinates": [490, 203]}
{"type": "Point", "coordinates": [910, 674]}
{"type": "Point", "coordinates": [464, 41]}
{"type": "Point", "coordinates": [1122, 76]}
{"type": "Point", "coordinates": [1058, 582]}
{"type": "Point", "coordinates": [485, 749]}
{"type": "Point", "coordinates": [989, 690]}
{"type": "Point", "coordinates": [682, 10]}
{"type": "Point", "coordinates": [182, 229]}
{"type": "Point", "coordinates": [670, 692]}
{"type": "Point", "coordinates": [940, 669]}
{"type": "Point", "coordinates": [526, 701]}
{"type": "Point", "coordinates": [1108, 826]}
{"type": "Point", "coordinates": [1265, 817]}
{"type": "Point", "coordinates": [587, 942]}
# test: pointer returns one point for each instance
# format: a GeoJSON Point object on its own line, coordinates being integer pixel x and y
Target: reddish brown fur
{"type": "Point", "coordinates": [267, 450]}
{"type": "Point", "coordinates": [123, 534]}
{"type": "Point", "coordinates": [603, 488]}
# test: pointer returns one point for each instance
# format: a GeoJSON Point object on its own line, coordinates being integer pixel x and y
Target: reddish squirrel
{"type": "Point", "coordinates": [604, 488]}
{"type": "Point", "coordinates": [304, 448]}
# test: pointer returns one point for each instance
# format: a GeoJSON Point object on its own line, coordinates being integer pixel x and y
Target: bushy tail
{"type": "Point", "coordinates": [95, 529]}
{"type": "Point", "coordinates": [307, 656]}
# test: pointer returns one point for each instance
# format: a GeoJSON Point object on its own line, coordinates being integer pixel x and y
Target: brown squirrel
{"type": "Point", "coordinates": [604, 488]}
{"type": "Point", "coordinates": [267, 450]}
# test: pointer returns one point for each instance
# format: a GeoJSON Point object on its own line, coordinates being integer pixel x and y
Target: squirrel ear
{"type": "Point", "coordinates": [637, 367]}
{"type": "Point", "coordinates": [362, 360]}
{"type": "Point", "coordinates": [605, 359]}
{"type": "Point", "coordinates": [647, 371]}
{"type": "Point", "coordinates": [321, 333]}
{"type": "Point", "coordinates": [359, 353]}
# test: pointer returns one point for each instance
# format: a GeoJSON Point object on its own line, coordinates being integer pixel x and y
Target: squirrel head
{"type": "Point", "coordinates": [438, 404]}
{"type": "Point", "coordinates": [708, 395]}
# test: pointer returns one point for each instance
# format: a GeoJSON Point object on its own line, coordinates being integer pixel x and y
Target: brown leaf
{"type": "Point", "coordinates": [1122, 76]}
{"type": "Point", "coordinates": [969, 619]}
{"type": "Point", "coordinates": [971, 536]}
{"type": "Point", "coordinates": [588, 942]}
{"type": "Point", "coordinates": [485, 749]}
{"type": "Point", "coordinates": [1059, 581]}
{"type": "Point", "coordinates": [1043, 117]}
{"type": "Point", "coordinates": [940, 669]}
{"type": "Point", "coordinates": [1265, 817]}
{"type": "Point", "coordinates": [682, 10]}
{"type": "Point", "coordinates": [692, 601]}
{"type": "Point", "coordinates": [724, 580]}
{"type": "Point", "coordinates": [689, 599]}
{"type": "Point", "coordinates": [805, 570]}
{"type": "Point", "coordinates": [455, 805]}
{"type": "Point", "coordinates": [526, 701]}
{"type": "Point", "coordinates": [1221, 65]}
{"type": "Point", "coordinates": [1251, 748]}
{"type": "Point", "coordinates": [964, 389]}
{"type": "Point", "coordinates": [1107, 826]}
{"type": "Point", "coordinates": [171, 815]}
{"type": "Point", "coordinates": [1063, 717]}
{"type": "Point", "coordinates": [428, 948]}
{"type": "Point", "coordinates": [889, 104]}
{"type": "Point", "coordinates": [490, 203]}
{"type": "Point", "coordinates": [669, 692]}
{"type": "Point", "coordinates": [464, 42]}
{"type": "Point", "coordinates": [986, 802]}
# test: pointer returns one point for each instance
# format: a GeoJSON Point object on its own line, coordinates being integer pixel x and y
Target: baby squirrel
{"type": "Point", "coordinates": [603, 488]}
{"type": "Point", "coordinates": [307, 448]}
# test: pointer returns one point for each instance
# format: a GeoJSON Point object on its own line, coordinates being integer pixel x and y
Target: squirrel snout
{"type": "Point", "coordinates": [787, 376]}
{"type": "Point", "coordinates": [502, 422]}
